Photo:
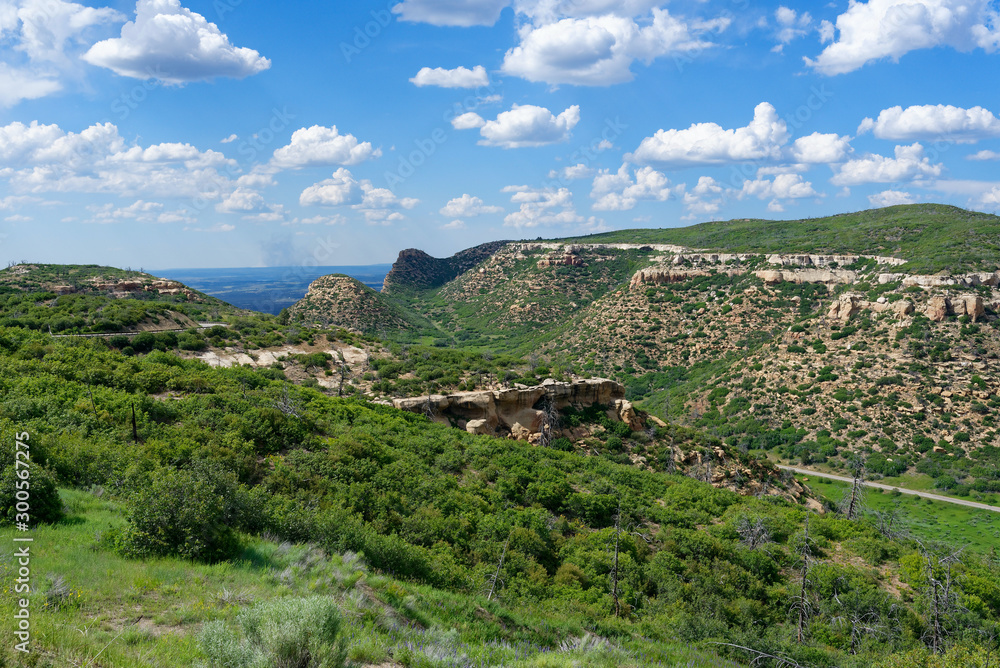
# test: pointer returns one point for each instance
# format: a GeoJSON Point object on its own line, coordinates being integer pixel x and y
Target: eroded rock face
{"type": "Point", "coordinates": [937, 308]}
{"type": "Point", "coordinates": [829, 276]}
{"type": "Point", "coordinates": [520, 412]}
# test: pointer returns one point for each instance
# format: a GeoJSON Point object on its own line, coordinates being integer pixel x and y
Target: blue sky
{"type": "Point", "coordinates": [223, 133]}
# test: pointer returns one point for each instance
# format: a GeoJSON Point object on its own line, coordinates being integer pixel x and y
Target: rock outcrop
{"type": "Point", "coordinates": [828, 276]}
{"type": "Point", "coordinates": [521, 412]}
{"type": "Point", "coordinates": [416, 269]}
{"type": "Point", "coordinates": [940, 307]}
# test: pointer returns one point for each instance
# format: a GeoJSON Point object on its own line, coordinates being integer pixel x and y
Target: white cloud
{"type": "Point", "coordinates": [43, 158]}
{"type": "Point", "coordinates": [989, 200]}
{"type": "Point", "coordinates": [45, 38]}
{"type": "Point", "coordinates": [891, 28]}
{"type": "Point", "coordinates": [599, 50]}
{"type": "Point", "coordinates": [460, 77]}
{"type": "Point", "coordinates": [784, 186]}
{"type": "Point", "coordinates": [454, 225]}
{"type": "Point", "coordinates": [17, 85]}
{"type": "Point", "coordinates": [468, 206]}
{"type": "Point", "coordinates": [541, 207]}
{"type": "Point", "coordinates": [619, 192]}
{"type": "Point", "coordinates": [910, 163]}
{"type": "Point", "coordinates": [710, 144]}
{"type": "Point", "coordinates": [318, 146]}
{"type": "Point", "coordinates": [378, 205]}
{"type": "Point", "coordinates": [340, 189]}
{"type": "Point", "coordinates": [573, 172]}
{"type": "Point", "coordinates": [791, 25]}
{"type": "Point", "coordinates": [230, 139]}
{"type": "Point", "coordinates": [704, 199]}
{"type": "Point", "coordinates": [984, 155]}
{"type": "Point", "coordinates": [528, 125]}
{"type": "Point", "coordinates": [463, 13]}
{"type": "Point", "coordinates": [468, 121]}
{"type": "Point", "coordinates": [890, 198]}
{"type": "Point", "coordinates": [820, 148]}
{"type": "Point", "coordinates": [171, 43]}
{"type": "Point", "coordinates": [933, 121]}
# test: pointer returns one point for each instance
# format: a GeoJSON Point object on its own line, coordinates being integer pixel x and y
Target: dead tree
{"type": "Point", "coordinates": [550, 420]}
{"type": "Point", "coordinates": [495, 579]}
{"type": "Point", "coordinates": [753, 533]}
{"type": "Point", "coordinates": [853, 502]}
{"type": "Point", "coordinates": [942, 595]}
{"type": "Point", "coordinates": [889, 523]}
{"type": "Point", "coordinates": [801, 604]}
{"type": "Point", "coordinates": [616, 606]}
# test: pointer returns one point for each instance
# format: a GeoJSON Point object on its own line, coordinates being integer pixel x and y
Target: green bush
{"type": "Point", "coordinates": [44, 504]}
{"type": "Point", "coordinates": [189, 513]}
{"type": "Point", "coordinates": [281, 633]}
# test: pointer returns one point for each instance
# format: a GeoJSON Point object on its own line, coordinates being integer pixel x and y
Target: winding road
{"type": "Point", "coordinates": [925, 495]}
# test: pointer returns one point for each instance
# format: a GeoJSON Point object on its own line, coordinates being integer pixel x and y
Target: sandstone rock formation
{"type": "Point", "coordinates": [521, 412]}
{"type": "Point", "coordinates": [828, 276]}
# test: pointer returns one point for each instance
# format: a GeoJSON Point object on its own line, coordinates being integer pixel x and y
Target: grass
{"type": "Point", "coordinates": [926, 518]}
{"type": "Point", "coordinates": [140, 614]}
{"type": "Point", "coordinates": [931, 236]}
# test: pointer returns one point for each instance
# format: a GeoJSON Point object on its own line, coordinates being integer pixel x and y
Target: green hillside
{"type": "Point", "coordinates": [933, 237]}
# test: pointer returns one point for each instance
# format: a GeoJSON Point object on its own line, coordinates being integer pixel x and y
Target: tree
{"type": "Point", "coordinates": [853, 502]}
{"type": "Point", "coordinates": [801, 603]}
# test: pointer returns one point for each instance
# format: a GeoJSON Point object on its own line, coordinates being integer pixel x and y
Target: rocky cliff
{"type": "Point", "coordinates": [523, 413]}
{"type": "Point", "coordinates": [415, 269]}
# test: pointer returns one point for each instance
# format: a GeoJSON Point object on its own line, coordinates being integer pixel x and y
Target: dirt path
{"type": "Point", "coordinates": [925, 495]}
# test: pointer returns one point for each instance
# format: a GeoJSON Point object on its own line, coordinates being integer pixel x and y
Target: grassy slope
{"type": "Point", "coordinates": [932, 237]}
{"type": "Point", "coordinates": [925, 518]}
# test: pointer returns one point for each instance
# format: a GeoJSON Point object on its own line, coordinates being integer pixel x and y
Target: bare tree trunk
{"type": "Point", "coordinates": [496, 576]}
{"type": "Point", "coordinates": [615, 602]}
{"type": "Point", "coordinates": [802, 600]}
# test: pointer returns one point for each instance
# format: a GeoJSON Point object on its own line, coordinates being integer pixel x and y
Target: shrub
{"type": "Point", "coordinates": [286, 632]}
{"type": "Point", "coordinates": [189, 513]}
{"type": "Point", "coordinates": [45, 506]}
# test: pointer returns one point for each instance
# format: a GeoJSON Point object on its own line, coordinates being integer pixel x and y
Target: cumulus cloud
{"type": "Point", "coordinates": [620, 192]}
{"type": "Point", "coordinates": [910, 163]}
{"type": "Point", "coordinates": [933, 121]}
{"type": "Point", "coordinates": [710, 144]}
{"type": "Point", "coordinates": [704, 199]}
{"type": "Point", "coordinates": [784, 186]}
{"type": "Point", "coordinates": [468, 206]}
{"type": "Point", "coordinates": [454, 225]}
{"type": "Point", "coordinates": [378, 205]}
{"type": "Point", "coordinates": [171, 43]}
{"type": "Point", "coordinates": [528, 125]}
{"type": "Point", "coordinates": [462, 13]}
{"type": "Point", "coordinates": [541, 207]}
{"type": "Point", "coordinates": [319, 146]}
{"type": "Point", "coordinates": [340, 189]}
{"type": "Point", "coordinates": [881, 29]}
{"type": "Point", "coordinates": [39, 158]}
{"type": "Point", "coordinates": [573, 172]}
{"type": "Point", "coordinates": [984, 155]}
{"type": "Point", "coordinates": [989, 200]}
{"type": "Point", "coordinates": [819, 148]}
{"type": "Point", "coordinates": [890, 198]}
{"type": "Point", "coordinates": [460, 77]}
{"type": "Point", "coordinates": [470, 120]}
{"type": "Point", "coordinates": [599, 50]}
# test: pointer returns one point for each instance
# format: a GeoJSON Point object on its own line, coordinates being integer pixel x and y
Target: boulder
{"type": "Point", "coordinates": [970, 305]}
{"type": "Point", "coordinates": [937, 308]}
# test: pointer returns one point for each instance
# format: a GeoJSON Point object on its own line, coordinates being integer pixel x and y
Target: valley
{"type": "Point", "coordinates": [599, 451]}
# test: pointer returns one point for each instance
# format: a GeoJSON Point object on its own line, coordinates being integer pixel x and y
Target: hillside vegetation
{"type": "Point", "coordinates": [932, 237]}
